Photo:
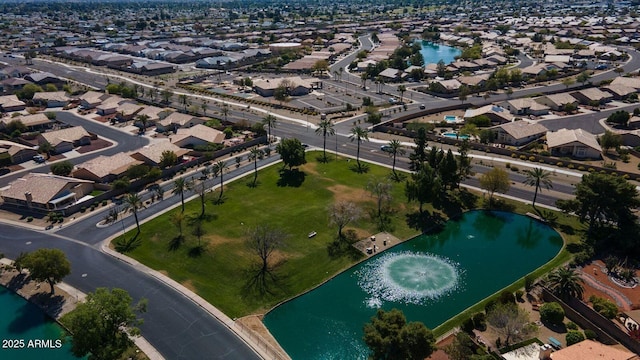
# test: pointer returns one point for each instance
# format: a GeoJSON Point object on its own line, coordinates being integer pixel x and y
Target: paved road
{"type": "Point", "coordinates": [177, 327]}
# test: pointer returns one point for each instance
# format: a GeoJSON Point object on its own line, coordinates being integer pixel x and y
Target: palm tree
{"type": "Point", "coordinates": [271, 122]}
{"type": "Point", "coordinates": [325, 127]}
{"type": "Point", "coordinates": [359, 134]}
{"type": "Point", "coordinates": [180, 186]}
{"type": "Point", "coordinates": [364, 77]}
{"type": "Point", "coordinates": [144, 121]}
{"type": "Point", "coordinates": [538, 177]}
{"type": "Point", "coordinates": [133, 202]}
{"type": "Point", "coordinates": [395, 149]}
{"type": "Point", "coordinates": [565, 283]}
{"type": "Point", "coordinates": [341, 70]}
{"type": "Point", "coordinates": [203, 106]}
{"type": "Point", "coordinates": [166, 95]}
{"type": "Point", "coordinates": [401, 90]}
{"type": "Point", "coordinates": [184, 100]}
{"type": "Point", "coordinates": [221, 166]}
{"type": "Point", "coordinates": [225, 111]}
{"type": "Point", "coordinates": [255, 154]}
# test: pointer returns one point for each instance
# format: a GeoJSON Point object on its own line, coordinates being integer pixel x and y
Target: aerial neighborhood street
{"type": "Point", "coordinates": [110, 123]}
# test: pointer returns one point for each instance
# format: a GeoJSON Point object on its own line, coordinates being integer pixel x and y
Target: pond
{"type": "Point", "coordinates": [23, 321]}
{"type": "Point", "coordinates": [430, 278]}
{"type": "Point", "coordinates": [433, 53]}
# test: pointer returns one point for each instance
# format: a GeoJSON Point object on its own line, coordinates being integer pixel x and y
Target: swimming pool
{"type": "Point", "coordinates": [450, 118]}
{"type": "Point", "coordinates": [456, 136]}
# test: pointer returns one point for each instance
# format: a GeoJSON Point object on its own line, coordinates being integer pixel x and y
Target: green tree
{"type": "Point", "coordinates": [463, 93]}
{"type": "Point", "coordinates": [255, 154]}
{"type": "Point", "coordinates": [423, 186]}
{"type": "Point", "coordinates": [133, 202]}
{"type": "Point", "coordinates": [574, 337]}
{"type": "Point", "coordinates": [609, 140]}
{"type": "Point", "coordinates": [583, 77]}
{"type": "Point", "coordinates": [538, 178]}
{"type": "Point", "coordinates": [619, 117]}
{"type": "Point", "coordinates": [15, 125]}
{"type": "Point", "coordinates": [178, 219]}
{"type": "Point", "coordinates": [144, 122]}
{"type": "Point", "coordinates": [101, 326]}
{"type": "Point", "coordinates": [552, 313]}
{"type": "Point", "coordinates": [325, 128]}
{"type": "Point", "coordinates": [166, 95]}
{"type": "Point", "coordinates": [401, 90]}
{"type": "Point", "coordinates": [565, 283]}
{"type": "Point", "coordinates": [27, 92]}
{"type": "Point", "coordinates": [220, 168]}
{"type": "Point", "coordinates": [292, 152]}
{"type": "Point", "coordinates": [419, 155]}
{"type": "Point", "coordinates": [63, 168]}
{"type": "Point", "coordinates": [603, 199]}
{"type": "Point", "coordinates": [184, 100]}
{"type": "Point", "coordinates": [494, 180]}
{"type": "Point", "coordinates": [359, 135]}
{"type": "Point", "coordinates": [464, 162]}
{"type": "Point", "coordinates": [395, 148]}
{"type": "Point", "coordinates": [50, 265]}
{"type": "Point", "coordinates": [568, 82]}
{"type": "Point", "coordinates": [390, 337]}
{"type": "Point", "coordinates": [604, 307]}
{"type": "Point", "coordinates": [448, 171]}
{"type": "Point", "coordinates": [167, 159]}
{"type": "Point", "coordinates": [180, 186]}
{"type": "Point", "coordinates": [271, 122]}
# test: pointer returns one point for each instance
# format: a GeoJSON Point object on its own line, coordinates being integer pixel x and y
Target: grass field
{"type": "Point", "coordinates": [223, 273]}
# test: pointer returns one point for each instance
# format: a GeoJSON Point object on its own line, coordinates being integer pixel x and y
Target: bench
{"type": "Point", "coordinates": [555, 343]}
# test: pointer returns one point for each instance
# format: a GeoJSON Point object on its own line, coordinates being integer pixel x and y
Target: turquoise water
{"type": "Point", "coordinates": [450, 118]}
{"type": "Point", "coordinates": [455, 136]}
{"type": "Point", "coordinates": [433, 53]}
{"type": "Point", "coordinates": [22, 320]}
{"type": "Point", "coordinates": [430, 278]}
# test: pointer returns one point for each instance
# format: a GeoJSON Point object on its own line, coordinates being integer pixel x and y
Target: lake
{"type": "Point", "coordinates": [433, 53]}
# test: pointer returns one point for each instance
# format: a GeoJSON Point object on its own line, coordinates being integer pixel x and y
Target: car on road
{"type": "Point", "coordinates": [39, 159]}
{"type": "Point", "coordinates": [422, 107]}
{"type": "Point", "coordinates": [601, 67]}
{"type": "Point", "coordinates": [386, 148]}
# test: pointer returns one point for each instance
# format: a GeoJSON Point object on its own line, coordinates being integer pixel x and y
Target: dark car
{"type": "Point", "coordinates": [39, 159]}
{"type": "Point", "coordinates": [422, 107]}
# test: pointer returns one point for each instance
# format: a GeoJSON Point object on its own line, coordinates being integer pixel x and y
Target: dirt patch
{"type": "Point", "coordinates": [253, 324]}
{"type": "Point", "coordinates": [95, 145]}
{"type": "Point", "coordinates": [345, 193]}
{"type": "Point", "coordinates": [189, 285]}
{"type": "Point", "coordinates": [165, 273]}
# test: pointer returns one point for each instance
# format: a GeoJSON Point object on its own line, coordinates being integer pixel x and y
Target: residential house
{"type": "Point", "coordinates": [33, 122]}
{"type": "Point", "coordinates": [126, 111]}
{"type": "Point", "coordinates": [105, 169]}
{"type": "Point", "coordinates": [592, 350]}
{"type": "Point", "coordinates": [619, 91]}
{"type": "Point", "coordinates": [474, 82]}
{"type": "Point", "coordinates": [177, 120]}
{"type": "Point", "coordinates": [51, 99]}
{"type": "Point", "coordinates": [64, 140]}
{"type": "Point", "coordinates": [197, 135]}
{"type": "Point", "coordinates": [525, 106]}
{"type": "Point", "coordinates": [153, 113]}
{"type": "Point", "coordinates": [11, 103]}
{"type": "Point", "coordinates": [298, 86]}
{"type": "Point", "coordinates": [557, 101]}
{"type": "Point", "coordinates": [44, 192]}
{"type": "Point", "coordinates": [91, 99]}
{"type": "Point", "coordinates": [391, 74]}
{"type": "Point", "coordinates": [11, 85]}
{"type": "Point", "coordinates": [446, 86]}
{"type": "Point", "coordinates": [576, 143]}
{"type": "Point", "coordinates": [496, 113]}
{"type": "Point", "coordinates": [44, 78]}
{"type": "Point", "coordinates": [14, 72]}
{"type": "Point", "coordinates": [633, 82]}
{"type": "Point", "coordinates": [518, 133]}
{"type": "Point", "coordinates": [109, 105]}
{"type": "Point", "coordinates": [591, 96]}
{"type": "Point", "coordinates": [17, 153]}
{"type": "Point", "coordinates": [152, 154]}
{"type": "Point", "coordinates": [152, 68]}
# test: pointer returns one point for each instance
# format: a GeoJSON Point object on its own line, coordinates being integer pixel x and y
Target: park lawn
{"type": "Point", "coordinates": [222, 274]}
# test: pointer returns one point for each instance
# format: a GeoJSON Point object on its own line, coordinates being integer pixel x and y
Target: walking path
{"type": "Point", "coordinates": [620, 299]}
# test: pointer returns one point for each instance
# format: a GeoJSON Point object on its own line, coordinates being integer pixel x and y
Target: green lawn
{"type": "Point", "coordinates": [222, 275]}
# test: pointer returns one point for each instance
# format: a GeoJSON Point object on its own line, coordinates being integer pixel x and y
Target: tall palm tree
{"type": "Point", "coordinates": [566, 283]}
{"type": "Point", "coordinates": [364, 77]}
{"type": "Point", "coordinates": [538, 178]}
{"type": "Point", "coordinates": [401, 90]}
{"type": "Point", "coordinates": [341, 70]}
{"type": "Point", "coordinates": [271, 122]}
{"type": "Point", "coordinates": [180, 186]}
{"type": "Point", "coordinates": [144, 121]}
{"type": "Point", "coordinates": [395, 149]}
{"type": "Point", "coordinates": [359, 134]}
{"type": "Point", "coordinates": [184, 100]}
{"type": "Point", "coordinates": [254, 155]}
{"type": "Point", "coordinates": [221, 166]}
{"type": "Point", "coordinates": [133, 202]}
{"type": "Point", "coordinates": [225, 111]}
{"type": "Point", "coordinates": [325, 127]}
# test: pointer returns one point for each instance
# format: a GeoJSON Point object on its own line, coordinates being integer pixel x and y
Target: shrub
{"type": "Point", "coordinates": [590, 334]}
{"type": "Point", "coordinates": [528, 282]}
{"type": "Point", "coordinates": [83, 209]}
{"type": "Point", "coordinates": [514, 155]}
{"type": "Point", "coordinates": [506, 297]}
{"type": "Point", "coordinates": [572, 326]}
{"type": "Point", "coordinates": [30, 219]}
{"type": "Point", "coordinates": [507, 165]}
{"type": "Point", "coordinates": [552, 313]}
{"type": "Point", "coordinates": [515, 168]}
{"type": "Point", "coordinates": [532, 158]}
{"type": "Point", "coordinates": [480, 321]}
{"type": "Point", "coordinates": [604, 307]}
{"type": "Point", "coordinates": [591, 170]}
{"type": "Point", "coordinates": [545, 153]}
{"type": "Point", "coordinates": [541, 161]}
{"type": "Point", "coordinates": [581, 168]}
{"type": "Point", "coordinates": [574, 337]}
{"type": "Point", "coordinates": [519, 294]}
{"type": "Point", "coordinates": [523, 157]}
{"type": "Point", "coordinates": [468, 326]}
{"type": "Point", "coordinates": [104, 202]}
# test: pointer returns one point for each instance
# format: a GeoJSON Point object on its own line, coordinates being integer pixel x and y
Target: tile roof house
{"type": "Point", "coordinates": [575, 142]}
{"type": "Point", "coordinates": [496, 113]}
{"type": "Point", "coordinates": [592, 350]}
{"type": "Point", "coordinates": [91, 99]}
{"type": "Point", "coordinates": [32, 122]}
{"type": "Point", "coordinates": [197, 135]}
{"type": "Point", "coordinates": [105, 169]}
{"type": "Point", "coordinates": [10, 103]}
{"type": "Point", "coordinates": [556, 101]}
{"type": "Point", "coordinates": [619, 91]}
{"type": "Point", "coordinates": [45, 192]}
{"type": "Point", "coordinates": [177, 120]}
{"type": "Point", "coordinates": [633, 82]}
{"type": "Point", "coordinates": [518, 133]}
{"type": "Point", "coordinates": [51, 99]}
{"type": "Point", "coordinates": [109, 105]}
{"type": "Point", "coordinates": [64, 140]}
{"type": "Point", "coordinates": [152, 154]}
{"type": "Point", "coordinates": [18, 153]}
{"type": "Point", "coordinates": [525, 106]}
{"type": "Point", "coordinates": [592, 95]}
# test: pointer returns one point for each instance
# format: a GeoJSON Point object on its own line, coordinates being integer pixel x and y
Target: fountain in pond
{"type": "Point", "coordinates": [408, 277]}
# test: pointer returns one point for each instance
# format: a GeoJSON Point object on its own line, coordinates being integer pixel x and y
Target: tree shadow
{"type": "Point", "coordinates": [17, 282]}
{"type": "Point", "coordinates": [124, 245]}
{"type": "Point", "coordinates": [25, 318]}
{"type": "Point", "coordinates": [196, 251]}
{"type": "Point", "coordinates": [359, 168]}
{"type": "Point", "coordinates": [425, 222]}
{"type": "Point", "coordinates": [264, 282]}
{"type": "Point", "coordinates": [291, 178]}
{"type": "Point", "coordinates": [322, 159]}
{"type": "Point", "coordinates": [218, 200]}
{"type": "Point", "coordinates": [253, 184]}
{"type": "Point", "coordinates": [176, 242]}
{"type": "Point", "coordinates": [397, 176]}
{"type": "Point", "coordinates": [50, 303]}
{"type": "Point", "coordinates": [343, 246]}
{"type": "Point", "coordinates": [498, 204]}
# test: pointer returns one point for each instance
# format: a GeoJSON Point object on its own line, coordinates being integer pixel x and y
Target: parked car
{"type": "Point", "coordinates": [39, 159]}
